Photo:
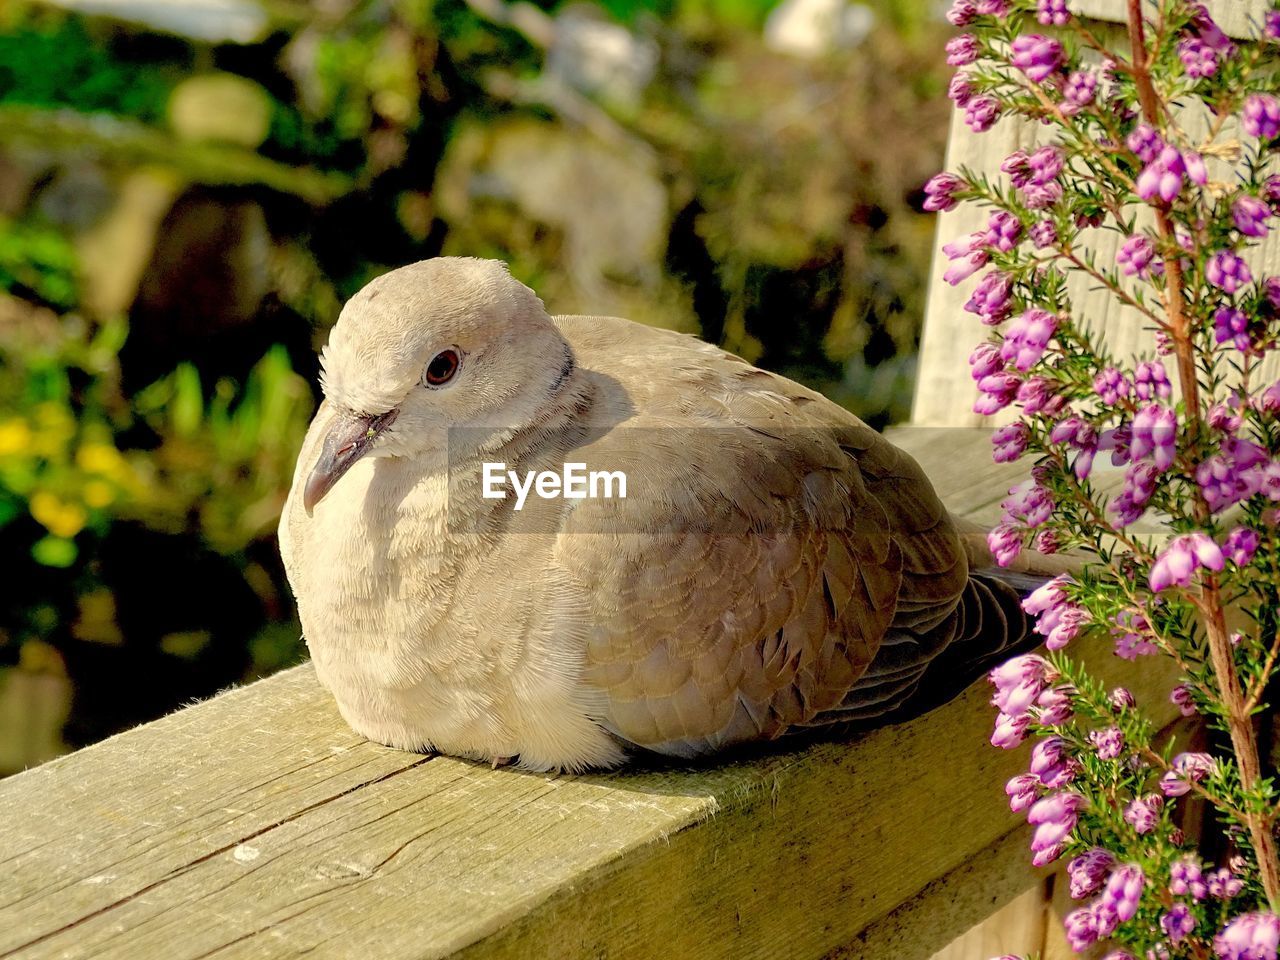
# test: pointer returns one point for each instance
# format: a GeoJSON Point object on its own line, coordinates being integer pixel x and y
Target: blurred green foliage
{"type": "Point", "coordinates": [37, 261]}
{"type": "Point", "coordinates": [51, 61]}
{"type": "Point", "coordinates": [164, 282]}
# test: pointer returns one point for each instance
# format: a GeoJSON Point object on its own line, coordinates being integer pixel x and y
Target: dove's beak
{"type": "Point", "coordinates": [349, 438]}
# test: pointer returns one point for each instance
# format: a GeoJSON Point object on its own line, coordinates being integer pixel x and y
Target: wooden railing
{"type": "Point", "coordinates": [257, 825]}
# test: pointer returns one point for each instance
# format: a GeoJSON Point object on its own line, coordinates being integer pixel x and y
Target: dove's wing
{"type": "Point", "coordinates": [771, 551]}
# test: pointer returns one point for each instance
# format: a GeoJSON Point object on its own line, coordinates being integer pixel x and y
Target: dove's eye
{"type": "Point", "coordinates": [441, 368]}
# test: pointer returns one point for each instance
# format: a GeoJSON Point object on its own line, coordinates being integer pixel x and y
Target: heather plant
{"type": "Point", "coordinates": [1166, 139]}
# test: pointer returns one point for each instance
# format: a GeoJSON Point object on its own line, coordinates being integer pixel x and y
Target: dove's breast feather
{"type": "Point", "coordinates": [769, 543]}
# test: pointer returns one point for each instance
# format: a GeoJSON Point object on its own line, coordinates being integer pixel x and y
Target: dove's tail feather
{"type": "Point", "coordinates": [916, 673]}
{"type": "Point", "coordinates": [992, 627]}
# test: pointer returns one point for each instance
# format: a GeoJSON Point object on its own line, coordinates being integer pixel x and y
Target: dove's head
{"type": "Point", "coordinates": [444, 343]}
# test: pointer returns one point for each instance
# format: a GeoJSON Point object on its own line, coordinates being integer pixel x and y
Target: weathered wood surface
{"type": "Point", "coordinates": [944, 392]}
{"type": "Point", "coordinates": [256, 824]}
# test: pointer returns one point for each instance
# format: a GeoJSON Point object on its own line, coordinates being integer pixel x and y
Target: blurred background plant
{"type": "Point", "coordinates": [188, 192]}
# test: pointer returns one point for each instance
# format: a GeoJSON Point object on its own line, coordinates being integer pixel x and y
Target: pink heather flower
{"type": "Point", "coordinates": [1028, 503]}
{"type": "Point", "coordinates": [1123, 891]}
{"type": "Point", "coordinates": [1227, 271]}
{"type": "Point", "coordinates": [1069, 430]}
{"type": "Point", "coordinates": [1271, 290]}
{"type": "Point", "coordinates": [1053, 707]}
{"type": "Point", "coordinates": [1154, 434]}
{"type": "Point", "coordinates": [1135, 256]}
{"type": "Point", "coordinates": [1143, 813]}
{"type": "Point", "coordinates": [1209, 31]}
{"type": "Point", "coordinates": [1177, 923]}
{"type": "Point", "coordinates": [1080, 91]}
{"type": "Point", "coordinates": [1081, 929]}
{"type": "Point", "coordinates": [1045, 165]}
{"type": "Point", "coordinates": [1230, 325]}
{"type": "Point", "coordinates": [1132, 636]}
{"type": "Point", "coordinates": [1018, 682]}
{"type": "Point", "coordinates": [1042, 858]}
{"type": "Point", "coordinates": [1038, 196]}
{"type": "Point", "coordinates": [1049, 763]}
{"type": "Point", "coordinates": [1271, 25]}
{"type": "Point", "coordinates": [1230, 477]}
{"type": "Point", "coordinates": [1121, 698]}
{"type": "Point", "coordinates": [1250, 215]}
{"type": "Point", "coordinates": [1058, 620]}
{"type": "Point", "coordinates": [1010, 731]}
{"type": "Point", "coordinates": [993, 8]}
{"type": "Point", "coordinates": [1268, 479]}
{"type": "Point", "coordinates": [1139, 486]}
{"type": "Point", "coordinates": [1046, 542]}
{"type": "Point", "coordinates": [967, 255]}
{"type": "Point", "coordinates": [960, 89]}
{"type": "Point", "coordinates": [1036, 396]}
{"type": "Point", "coordinates": [1005, 543]}
{"type": "Point", "coordinates": [1054, 817]}
{"type": "Point", "coordinates": [1223, 885]}
{"type": "Point", "coordinates": [1027, 337]}
{"type": "Point", "coordinates": [1261, 116]}
{"type": "Point", "coordinates": [985, 360]}
{"type": "Point", "coordinates": [997, 392]}
{"type": "Point", "coordinates": [1184, 699]}
{"type": "Point", "coordinates": [1198, 58]}
{"type": "Point", "coordinates": [1225, 417]}
{"type": "Point", "coordinates": [1145, 143]}
{"type": "Point", "coordinates": [941, 190]}
{"type": "Point", "coordinates": [992, 298]}
{"type": "Point", "coordinates": [1177, 564]}
{"type": "Point", "coordinates": [1270, 400]}
{"type": "Point", "coordinates": [1022, 791]}
{"type": "Point", "coordinates": [1087, 871]}
{"type": "Point", "coordinates": [1152, 381]}
{"type": "Point", "coordinates": [1197, 173]}
{"type": "Point", "coordinates": [962, 13]}
{"type": "Point", "coordinates": [1018, 166]}
{"type": "Point", "coordinates": [1250, 936]}
{"type": "Point", "coordinates": [981, 113]}
{"type": "Point", "coordinates": [1112, 386]}
{"type": "Point", "coordinates": [1035, 55]}
{"type": "Point", "coordinates": [1010, 442]}
{"type": "Point", "coordinates": [1003, 231]}
{"type": "Point", "coordinates": [1108, 743]}
{"type": "Point", "coordinates": [1186, 878]}
{"type": "Point", "coordinates": [962, 50]}
{"type": "Point", "coordinates": [1052, 13]}
{"type": "Point", "coordinates": [1043, 234]}
{"type": "Point", "coordinates": [1186, 769]}
{"type": "Point", "coordinates": [1241, 544]}
{"type": "Point", "coordinates": [1162, 177]}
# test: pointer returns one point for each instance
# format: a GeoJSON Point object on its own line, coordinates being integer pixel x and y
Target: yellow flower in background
{"type": "Point", "coordinates": [54, 428]}
{"type": "Point", "coordinates": [60, 518]}
{"type": "Point", "coordinates": [15, 437]}
{"type": "Point", "coordinates": [101, 458]}
{"type": "Point", "coordinates": [98, 494]}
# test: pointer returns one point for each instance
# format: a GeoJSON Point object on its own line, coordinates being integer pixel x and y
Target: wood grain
{"type": "Point", "coordinates": [256, 824]}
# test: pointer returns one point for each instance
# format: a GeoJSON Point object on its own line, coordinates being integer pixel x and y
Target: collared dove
{"type": "Point", "coordinates": [776, 565]}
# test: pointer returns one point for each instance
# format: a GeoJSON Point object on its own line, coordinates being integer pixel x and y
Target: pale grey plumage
{"type": "Point", "coordinates": [776, 564]}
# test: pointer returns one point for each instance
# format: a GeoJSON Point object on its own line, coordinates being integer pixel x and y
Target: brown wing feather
{"type": "Point", "coordinates": [768, 545]}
